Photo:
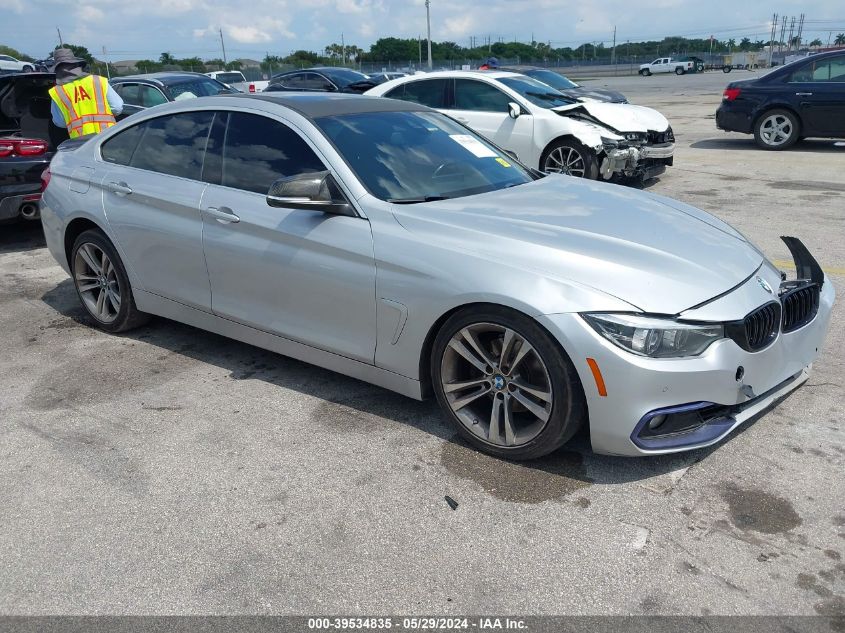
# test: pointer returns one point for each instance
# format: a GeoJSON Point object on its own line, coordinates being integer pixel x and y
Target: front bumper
{"type": "Point", "coordinates": [638, 387]}
{"type": "Point", "coordinates": [647, 161]}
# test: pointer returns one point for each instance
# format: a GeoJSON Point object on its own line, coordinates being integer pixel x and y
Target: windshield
{"type": "Point", "coordinates": [552, 79]}
{"type": "Point", "coordinates": [199, 87]}
{"type": "Point", "coordinates": [343, 76]}
{"type": "Point", "coordinates": [409, 157]}
{"type": "Point", "coordinates": [537, 92]}
{"type": "Point", "coordinates": [230, 78]}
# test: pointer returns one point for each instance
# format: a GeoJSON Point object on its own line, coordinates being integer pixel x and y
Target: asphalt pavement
{"type": "Point", "coordinates": [169, 470]}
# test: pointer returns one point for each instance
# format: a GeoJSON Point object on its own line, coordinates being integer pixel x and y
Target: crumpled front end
{"type": "Point", "coordinates": [640, 154]}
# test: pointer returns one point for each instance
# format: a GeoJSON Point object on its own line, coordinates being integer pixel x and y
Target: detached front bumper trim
{"type": "Point", "coordinates": [713, 421]}
{"type": "Point", "coordinates": [629, 160]}
{"type": "Point", "coordinates": [666, 150]}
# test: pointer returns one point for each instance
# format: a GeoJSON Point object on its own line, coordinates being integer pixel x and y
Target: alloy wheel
{"type": "Point", "coordinates": [775, 130]}
{"type": "Point", "coordinates": [496, 384]}
{"type": "Point", "coordinates": [566, 160]}
{"type": "Point", "coordinates": [97, 282]}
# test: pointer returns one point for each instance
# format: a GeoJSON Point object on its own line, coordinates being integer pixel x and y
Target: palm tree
{"type": "Point", "coordinates": [840, 39]}
{"type": "Point", "coordinates": [166, 59]}
{"type": "Point", "coordinates": [816, 42]}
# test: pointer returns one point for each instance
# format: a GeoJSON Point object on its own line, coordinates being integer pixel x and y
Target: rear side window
{"type": "Point", "coordinates": [428, 92]}
{"type": "Point", "coordinates": [119, 148]}
{"type": "Point", "coordinates": [173, 145]}
{"type": "Point", "coordinates": [258, 151]}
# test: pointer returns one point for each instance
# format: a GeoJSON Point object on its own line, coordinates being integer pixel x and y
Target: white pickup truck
{"type": "Point", "coordinates": [235, 79]}
{"type": "Point", "coordinates": [666, 65]}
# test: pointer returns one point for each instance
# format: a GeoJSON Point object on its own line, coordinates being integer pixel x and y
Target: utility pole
{"type": "Point", "coordinates": [791, 30]}
{"type": "Point", "coordinates": [223, 46]}
{"type": "Point", "coordinates": [342, 50]}
{"type": "Point", "coordinates": [800, 31]}
{"type": "Point", "coordinates": [419, 41]}
{"type": "Point", "coordinates": [61, 43]}
{"type": "Point", "coordinates": [782, 34]}
{"type": "Point", "coordinates": [428, 31]}
{"type": "Point", "coordinates": [613, 51]}
{"type": "Point", "coordinates": [772, 37]}
{"type": "Point", "coordinates": [106, 59]}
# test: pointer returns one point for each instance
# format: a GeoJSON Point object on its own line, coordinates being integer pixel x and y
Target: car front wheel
{"type": "Point", "coordinates": [506, 385]}
{"type": "Point", "coordinates": [645, 72]}
{"type": "Point", "coordinates": [777, 129]}
{"type": "Point", "coordinates": [570, 157]}
{"type": "Point", "coordinates": [102, 284]}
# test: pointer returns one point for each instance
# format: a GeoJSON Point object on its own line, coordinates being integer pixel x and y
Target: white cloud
{"type": "Point", "coordinates": [248, 34]}
{"type": "Point", "coordinates": [90, 13]}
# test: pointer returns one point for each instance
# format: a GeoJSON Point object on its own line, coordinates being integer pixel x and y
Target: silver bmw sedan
{"type": "Point", "coordinates": [385, 241]}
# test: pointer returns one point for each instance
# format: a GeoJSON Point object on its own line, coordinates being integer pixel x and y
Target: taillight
{"type": "Point", "coordinates": [22, 147]}
{"type": "Point", "coordinates": [252, 87]}
{"type": "Point", "coordinates": [730, 94]}
{"type": "Point", "coordinates": [45, 179]}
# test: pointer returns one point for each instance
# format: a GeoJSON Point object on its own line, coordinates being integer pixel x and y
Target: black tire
{"type": "Point", "coordinates": [679, 71]}
{"type": "Point", "coordinates": [569, 144]}
{"type": "Point", "coordinates": [128, 316]}
{"type": "Point", "coordinates": [794, 130]}
{"type": "Point", "coordinates": [645, 72]}
{"type": "Point", "coordinates": [27, 69]}
{"type": "Point", "coordinates": [726, 69]}
{"type": "Point", "coordinates": [569, 408]}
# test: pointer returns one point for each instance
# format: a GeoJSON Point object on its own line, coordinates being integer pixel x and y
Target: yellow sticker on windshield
{"type": "Point", "coordinates": [503, 162]}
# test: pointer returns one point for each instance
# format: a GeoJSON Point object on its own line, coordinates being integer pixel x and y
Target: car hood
{"type": "Point", "coordinates": [657, 254]}
{"type": "Point", "coordinates": [622, 117]}
{"type": "Point", "coordinates": [606, 96]}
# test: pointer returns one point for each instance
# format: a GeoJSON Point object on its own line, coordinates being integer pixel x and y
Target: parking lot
{"type": "Point", "coordinates": [170, 470]}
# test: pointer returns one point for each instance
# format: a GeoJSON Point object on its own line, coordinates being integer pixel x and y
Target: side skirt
{"type": "Point", "coordinates": [154, 304]}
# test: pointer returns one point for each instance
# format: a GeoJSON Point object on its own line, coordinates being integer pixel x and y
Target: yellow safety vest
{"type": "Point", "coordinates": [84, 105]}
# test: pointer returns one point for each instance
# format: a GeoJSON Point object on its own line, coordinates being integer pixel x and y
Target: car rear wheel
{"type": "Point", "coordinates": [102, 284]}
{"type": "Point", "coordinates": [679, 71]}
{"type": "Point", "coordinates": [777, 129]}
{"type": "Point", "coordinates": [506, 385]}
{"type": "Point", "coordinates": [570, 157]}
{"type": "Point", "coordinates": [27, 69]}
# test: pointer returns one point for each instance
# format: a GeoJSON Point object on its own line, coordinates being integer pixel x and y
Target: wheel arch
{"type": "Point", "coordinates": [75, 228]}
{"type": "Point", "coordinates": [768, 107]}
{"type": "Point", "coordinates": [431, 335]}
{"type": "Point", "coordinates": [564, 137]}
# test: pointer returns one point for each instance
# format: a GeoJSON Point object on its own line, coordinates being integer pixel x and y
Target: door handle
{"type": "Point", "coordinates": [223, 214]}
{"type": "Point", "coordinates": [803, 94]}
{"type": "Point", "coordinates": [119, 188]}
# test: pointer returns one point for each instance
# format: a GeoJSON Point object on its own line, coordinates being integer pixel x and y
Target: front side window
{"type": "Point", "coordinates": [427, 92]}
{"type": "Point", "coordinates": [410, 157]}
{"type": "Point", "coordinates": [257, 151]}
{"type": "Point", "coordinates": [151, 96]}
{"type": "Point", "coordinates": [480, 96]}
{"type": "Point", "coordinates": [173, 145]}
{"type": "Point", "coordinates": [293, 82]}
{"type": "Point", "coordinates": [199, 87]}
{"type": "Point", "coordinates": [313, 81]}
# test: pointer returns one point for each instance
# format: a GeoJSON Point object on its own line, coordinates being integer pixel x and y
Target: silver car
{"type": "Point", "coordinates": [385, 241]}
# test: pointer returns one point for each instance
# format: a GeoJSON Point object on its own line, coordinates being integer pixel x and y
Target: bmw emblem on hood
{"type": "Point", "coordinates": [765, 285]}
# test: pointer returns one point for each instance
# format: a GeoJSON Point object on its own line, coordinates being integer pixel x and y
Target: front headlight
{"type": "Point", "coordinates": [655, 337]}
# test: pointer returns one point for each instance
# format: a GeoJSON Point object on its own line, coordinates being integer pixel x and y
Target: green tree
{"type": "Point", "coordinates": [745, 44]}
{"type": "Point", "coordinates": [816, 42]}
{"type": "Point", "coordinates": [11, 52]}
{"type": "Point", "coordinates": [166, 59]}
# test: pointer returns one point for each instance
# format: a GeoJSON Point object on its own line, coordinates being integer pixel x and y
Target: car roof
{"type": "Point", "coordinates": [164, 78]}
{"type": "Point", "coordinates": [467, 74]}
{"type": "Point", "coordinates": [314, 105]}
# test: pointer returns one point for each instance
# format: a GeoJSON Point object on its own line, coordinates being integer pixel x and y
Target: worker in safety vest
{"type": "Point", "coordinates": [83, 103]}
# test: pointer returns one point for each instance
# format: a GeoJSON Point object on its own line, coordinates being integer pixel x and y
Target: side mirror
{"type": "Point", "coordinates": [514, 110]}
{"type": "Point", "coordinates": [315, 191]}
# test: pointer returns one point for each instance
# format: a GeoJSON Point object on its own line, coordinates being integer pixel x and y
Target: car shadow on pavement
{"type": "Point", "coordinates": [747, 144]}
{"type": "Point", "coordinates": [348, 403]}
{"type": "Point", "coordinates": [21, 236]}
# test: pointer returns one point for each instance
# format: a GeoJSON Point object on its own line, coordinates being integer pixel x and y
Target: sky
{"type": "Point", "coordinates": [252, 28]}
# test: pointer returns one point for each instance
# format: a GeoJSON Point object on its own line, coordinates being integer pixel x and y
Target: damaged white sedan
{"type": "Point", "coordinates": [544, 128]}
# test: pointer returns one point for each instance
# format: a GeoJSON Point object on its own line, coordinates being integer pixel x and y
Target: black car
{"type": "Point", "coordinates": [144, 91]}
{"type": "Point", "coordinates": [803, 99]}
{"type": "Point", "coordinates": [567, 87]}
{"type": "Point", "coordinates": [321, 80]}
{"type": "Point", "coordinates": [28, 140]}
{"type": "Point", "coordinates": [388, 75]}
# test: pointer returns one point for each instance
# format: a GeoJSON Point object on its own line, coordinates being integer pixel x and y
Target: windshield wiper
{"type": "Point", "coordinates": [417, 199]}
